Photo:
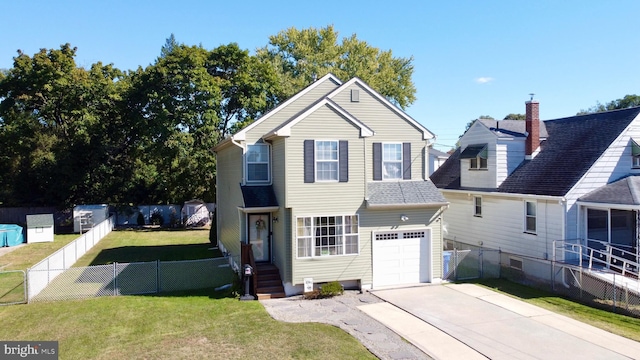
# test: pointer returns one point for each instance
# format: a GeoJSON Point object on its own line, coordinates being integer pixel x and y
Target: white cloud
{"type": "Point", "coordinates": [484, 80]}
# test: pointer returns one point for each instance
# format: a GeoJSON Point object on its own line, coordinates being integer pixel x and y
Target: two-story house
{"type": "Point", "coordinates": [332, 185]}
{"type": "Point", "coordinates": [526, 186]}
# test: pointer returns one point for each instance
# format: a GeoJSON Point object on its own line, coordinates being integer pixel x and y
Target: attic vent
{"type": "Point", "coordinates": [355, 95]}
{"type": "Point", "coordinates": [515, 263]}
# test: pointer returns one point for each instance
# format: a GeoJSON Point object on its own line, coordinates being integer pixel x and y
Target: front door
{"type": "Point", "coordinates": [259, 233]}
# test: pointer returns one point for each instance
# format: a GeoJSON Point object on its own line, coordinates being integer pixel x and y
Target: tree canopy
{"type": "Point", "coordinates": [75, 135]}
{"type": "Point", "coordinates": [626, 102]}
{"type": "Point", "coordinates": [301, 56]}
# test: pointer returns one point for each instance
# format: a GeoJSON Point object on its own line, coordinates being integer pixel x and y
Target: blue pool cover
{"type": "Point", "coordinates": [11, 235]}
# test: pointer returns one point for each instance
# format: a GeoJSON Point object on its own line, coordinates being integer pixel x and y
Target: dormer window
{"type": "Point", "coordinates": [257, 163]}
{"type": "Point", "coordinates": [635, 153]}
{"type": "Point", "coordinates": [477, 155]}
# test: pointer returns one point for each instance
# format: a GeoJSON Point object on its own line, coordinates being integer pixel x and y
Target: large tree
{"type": "Point", "coordinates": [301, 56]}
{"type": "Point", "coordinates": [51, 112]}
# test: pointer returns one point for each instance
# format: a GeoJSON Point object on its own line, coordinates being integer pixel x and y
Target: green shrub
{"type": "Point", "coordinates": [331, 289]}
{"type": "Point", "coordinates": [327, 290]}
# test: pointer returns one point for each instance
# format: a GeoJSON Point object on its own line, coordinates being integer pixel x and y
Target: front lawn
{"type": "Point", "coordinates": [203, 325]}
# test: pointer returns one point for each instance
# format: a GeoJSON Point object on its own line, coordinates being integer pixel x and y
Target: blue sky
{"type": "Point", "coordinates": [471, 58]}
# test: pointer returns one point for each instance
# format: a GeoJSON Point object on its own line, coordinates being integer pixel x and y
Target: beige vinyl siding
{"type": "Point", "coordinates": [389, 220]}
{"type": "Point", "coordinates": [388, 127]}
{"type": "Point", "coordinates": [502, 224]}
{"type": "Point", "coordinates": [290, 110]}
{"type": "Point", "coordinates": [281, 254]}
{"type": "Point", "coordinates": [324, 197]}
{"type": "Point", "coordinates": [229, 197]}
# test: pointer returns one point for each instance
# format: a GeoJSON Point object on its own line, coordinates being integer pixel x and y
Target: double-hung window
{"type": "Point", "coordinates": [391, 161]}
{"type": "Point", "coordinates": [530, 209]}
{"type": "Point", "coordinates": [257, 162]}
{"type": "Point", "coordinates": [326, 160]}
{"type": "Point", "coordinates": [477, 206]}
{"type": "Point", "coordinates": [635, 154]}
{"type": "Point", "coordinates": [478, 163]}
{"type": "Point", "coordinates": [327, 235]}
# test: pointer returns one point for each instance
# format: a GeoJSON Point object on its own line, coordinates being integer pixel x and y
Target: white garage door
{"type": "Point", "coordinates": [401, 257]}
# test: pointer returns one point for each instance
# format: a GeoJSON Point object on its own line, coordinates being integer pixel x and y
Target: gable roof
{"type": "Point", "coordinates": [511, 128]}
{"type": "Point", "coordinates": [240, 135]}
{"type": "Point", "coordinates": [572, 146]}
{"type": "Point", "coordinates": [624, 191]}
{"type": "Point", "coordinates": [39, 220]}
{"type": "Point", "coordinates": [426, 134]}
{"type": "Point", "coordinates": [284, 129]}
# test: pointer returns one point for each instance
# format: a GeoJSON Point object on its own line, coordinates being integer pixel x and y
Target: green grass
{"type": "Point", "coordinates": [31, 254]}
{"type": "Point", "coordinates": [132, 245]}
{"type": "Point", "coordinates": [199, 325]}
{"type": "Point", "coordinates": [615, 323]}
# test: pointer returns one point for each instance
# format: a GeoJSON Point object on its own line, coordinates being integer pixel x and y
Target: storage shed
{"type": "Point", "coordinates": [11, 235]}
{"type": "Point", "coordinates": [86, 216]}
{"type": "Point", "coordinates": [197, 213]}
{"type": "Point", "coordinates": [40, 228]}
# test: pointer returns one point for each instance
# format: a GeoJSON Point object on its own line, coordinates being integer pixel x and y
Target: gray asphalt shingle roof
{"type": "Point", "coordinates": [259, 196]}
{"type": "Point", "coordinates": [572, 146]}
{"type": "Point", "coordinates": [625, 191]}
{"type": "Point", "coordinates": [403, 193]}
{"type": "Point", "coordinates": [511, 128]}
{"type": "Point", "coordinates": [39, 220]}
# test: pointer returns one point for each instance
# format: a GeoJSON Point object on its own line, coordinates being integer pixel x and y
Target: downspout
{"type": "Point", "coordinates": [564, 236]}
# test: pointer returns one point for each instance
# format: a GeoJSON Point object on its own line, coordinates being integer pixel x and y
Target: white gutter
{"type": "Point", "coordinates": [405, 206]}
{"type": "Point", "coordinates": [264, 209]}
{"type": "Point", "coordinates": [608, 205]}
{"type": "Point", "coordinates": [502, 194]}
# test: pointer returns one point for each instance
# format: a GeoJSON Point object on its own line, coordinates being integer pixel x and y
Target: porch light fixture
{"type": "Point", "coordinates": [404, 217]}
{"type": "Point", "coordinates": [274, 219]}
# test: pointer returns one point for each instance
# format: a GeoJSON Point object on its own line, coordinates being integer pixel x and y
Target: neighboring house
{"type": "Point", "coordinates": [436, 158]}
{"type": "Point", "coordinates": [519, 186]}
{"type": "Point", "coordinates": [39, 228]}
{"type": "Point", "coordinates": [332, 185]}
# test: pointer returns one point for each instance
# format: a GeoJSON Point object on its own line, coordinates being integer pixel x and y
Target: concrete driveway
{"type": "Point", "coordinates": [465, 321]}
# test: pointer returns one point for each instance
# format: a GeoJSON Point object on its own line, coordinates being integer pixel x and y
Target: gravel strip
{"type": "Point", "coordinates": [342, 311]}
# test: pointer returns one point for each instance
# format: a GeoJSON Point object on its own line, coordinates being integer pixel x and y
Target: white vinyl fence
{"type": "Point", "coordinates": [44, 272]}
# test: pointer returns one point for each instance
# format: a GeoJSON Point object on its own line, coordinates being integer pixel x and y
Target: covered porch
{"type": "Point", "coordinates": [609, 220]}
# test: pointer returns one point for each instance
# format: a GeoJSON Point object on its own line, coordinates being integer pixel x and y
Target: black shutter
{"type": "Point", "coordinates": [406, 161]}
{"type": "Point", "coordinates": [309, 161]}
{"type": "Point", "coordinates": [377, 161]}
{"type": "Point", "coordinates": [343, 161]}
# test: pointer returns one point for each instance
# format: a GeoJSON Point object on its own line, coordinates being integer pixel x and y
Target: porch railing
{"type": "Point", "coordinates": [622, 261]}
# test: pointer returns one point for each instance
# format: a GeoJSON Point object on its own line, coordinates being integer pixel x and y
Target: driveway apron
{"type": "Point", "coordinates": [500, 327]}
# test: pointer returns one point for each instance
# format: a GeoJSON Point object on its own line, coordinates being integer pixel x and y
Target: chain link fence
{"type": "Point", "coordinates": [600, 288]}
{"type": "Point", "coordinates": [13, 287]}
{"type": "Point", "coordinates": [135, 279]}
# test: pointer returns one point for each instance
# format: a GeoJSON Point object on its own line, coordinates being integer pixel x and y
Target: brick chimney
{"type": "Point", "coordinates": [532, 119]}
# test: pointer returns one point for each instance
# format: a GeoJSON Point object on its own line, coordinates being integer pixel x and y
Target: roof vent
{"type": "Point", "coordinates": [355, 95]}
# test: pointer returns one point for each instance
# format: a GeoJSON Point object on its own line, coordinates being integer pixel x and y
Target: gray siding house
{"type": "Point", "coordinates": [332, 185]}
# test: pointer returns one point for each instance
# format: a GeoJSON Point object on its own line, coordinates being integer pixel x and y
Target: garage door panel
{"type": "Point", "coordinates": [402, 261]}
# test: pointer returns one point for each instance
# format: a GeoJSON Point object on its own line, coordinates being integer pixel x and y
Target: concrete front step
{"type": "Point", "coordinates": [271, 296]}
